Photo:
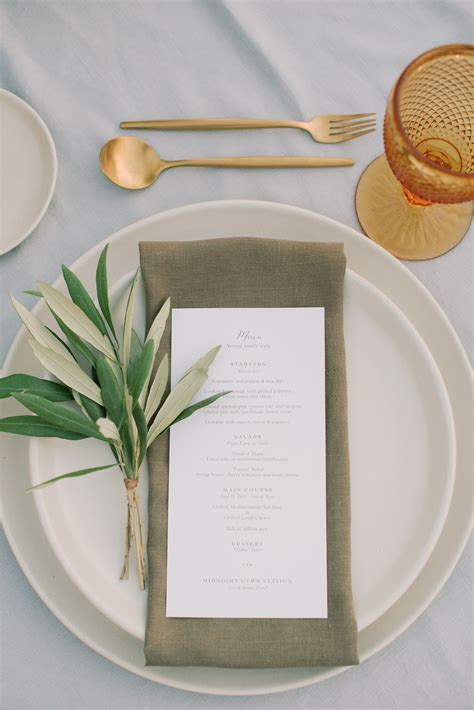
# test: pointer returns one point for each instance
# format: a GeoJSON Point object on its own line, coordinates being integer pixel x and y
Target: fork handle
{"type": "Point", "coordinates": [206, 124]}
{"type": "Point", "coordinates": [262, 161]}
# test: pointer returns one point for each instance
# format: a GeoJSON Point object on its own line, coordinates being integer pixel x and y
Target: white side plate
{"type": "Point", "coordinates": [28, 168]}
{"type": "Point", "coordinates": [25, 531]}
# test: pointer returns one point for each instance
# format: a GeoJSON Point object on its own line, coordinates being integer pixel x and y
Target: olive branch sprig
{"type": "Point", "coordinates": [104, 386]}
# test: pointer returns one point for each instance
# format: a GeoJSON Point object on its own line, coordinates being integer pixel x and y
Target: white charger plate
{"type": "Point", "coordinates": [402, 447]}
{"type": "Point", "coordinates": [47, 575]}
{"type": "Point", "coordinates": [28, 170]}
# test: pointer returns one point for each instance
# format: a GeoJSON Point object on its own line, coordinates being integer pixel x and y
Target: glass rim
{"type": "Point", "coordinates": [415, 64]}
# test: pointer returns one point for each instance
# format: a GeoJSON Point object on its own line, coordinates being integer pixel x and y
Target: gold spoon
{"type": "Point", "coordinates": [133, 164]}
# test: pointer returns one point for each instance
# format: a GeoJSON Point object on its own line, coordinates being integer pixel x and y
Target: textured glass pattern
{"type": "Point", "coordinates": [428, 131]}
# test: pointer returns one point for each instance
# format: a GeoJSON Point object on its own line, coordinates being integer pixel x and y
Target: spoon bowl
{"type": "Point", "coordinates": [130, 162]}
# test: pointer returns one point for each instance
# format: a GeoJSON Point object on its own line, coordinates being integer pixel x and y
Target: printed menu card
{"type": "Point", "coordinates": [247, 475]}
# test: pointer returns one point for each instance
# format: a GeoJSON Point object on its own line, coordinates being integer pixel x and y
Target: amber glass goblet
{"type": "Point", "coordinates": [416, 199]}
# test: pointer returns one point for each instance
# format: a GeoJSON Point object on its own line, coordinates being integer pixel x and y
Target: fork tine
{"type": "Point", "coordinates": [347, 127]}
{"type": "Point", "coordinates": [348, 116]}
{"type": "Point", "coordinates": [340, 137]}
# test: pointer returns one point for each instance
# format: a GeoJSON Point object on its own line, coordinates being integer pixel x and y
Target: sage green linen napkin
{"type": "Point", "coordinates": [255, 272]}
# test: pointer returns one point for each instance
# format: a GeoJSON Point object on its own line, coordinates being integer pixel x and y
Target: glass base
{"type": "Point", "coordinates": [406, 230]}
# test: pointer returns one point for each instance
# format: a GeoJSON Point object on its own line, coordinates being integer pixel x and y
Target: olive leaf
{"type": "Point", "coordinates": [81, 298]}
{"type": "Point", "coordinates": [182, 394]}
{"type": "Point", "coordinates": [72, 474]}
{"type": "Point", "coordinates": [93, 410]}
{"type": "Point", "coordinates": [204, 362]}
{"type": "Point", "coordinates": [128, 447]}
{"type": "Point", "coordinates": [142, 431]}
{"type": "Point", "coordinates": [102, 289]}
{"type": "Point", "coordinates": [111, 390]}
{"type": "Point", "coordinates": [75, 319]}
{"type": "Point", "coordinates": [54, 391]}
{"type": "Point", "coordinates": [40, 332]}
{"type": "Point", "coordinates": [158, 326]}
{"type": "Point", "coordinates": [108, 429]}
{"type": "Point", "coordinates": [157, 389]}
{"type": "Point", "coordinates": [136, 346]}
{"type": "Point", "coordinates": [155, 333]}
{"type": "Point", "coordinates": [29, 425]}
{"type": "Point", "coordinates": [199, 405]}
{"type": "Point", "coordinates": [59, 415]}
{"type": "Point", "coordinates": [67, 371]}
{"type": "Point", "coordinates": [61, 341]}
{"type": "Point", "coordinates": [141, 371]}
{"type": "Point", "coordinates": [76, 342]}
{"type": "Point", "coordinates": [129, 416]}
{"type": "Point", "coordinates": [128, 323]}
{"type": "Point", "coordinates": [179, 398]}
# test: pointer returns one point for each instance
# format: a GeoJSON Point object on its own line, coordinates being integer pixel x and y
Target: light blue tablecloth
{"type": "Point", "coordinates": [86, 65]}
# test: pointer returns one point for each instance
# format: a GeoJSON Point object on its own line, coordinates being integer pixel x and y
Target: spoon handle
{"type": "Point", "coordinates": [206, 124]}
{"type": "Point", "coordinates": [263, 161]}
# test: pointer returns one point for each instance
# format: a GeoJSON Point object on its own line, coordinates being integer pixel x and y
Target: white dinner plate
{"type": "Point", "coordinates": [402, 448]}
{"type": "Point", "coordinates": [28, 168]}
{"type": "Point", "coordinates": [42, 566]}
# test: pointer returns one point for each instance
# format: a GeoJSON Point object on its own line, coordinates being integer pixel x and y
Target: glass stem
{"type": "Point", "coordinates": [415, 200]}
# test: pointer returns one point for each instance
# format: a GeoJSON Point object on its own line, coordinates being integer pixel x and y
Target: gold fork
{"type": "Point", "coordinates": [332, 128]}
